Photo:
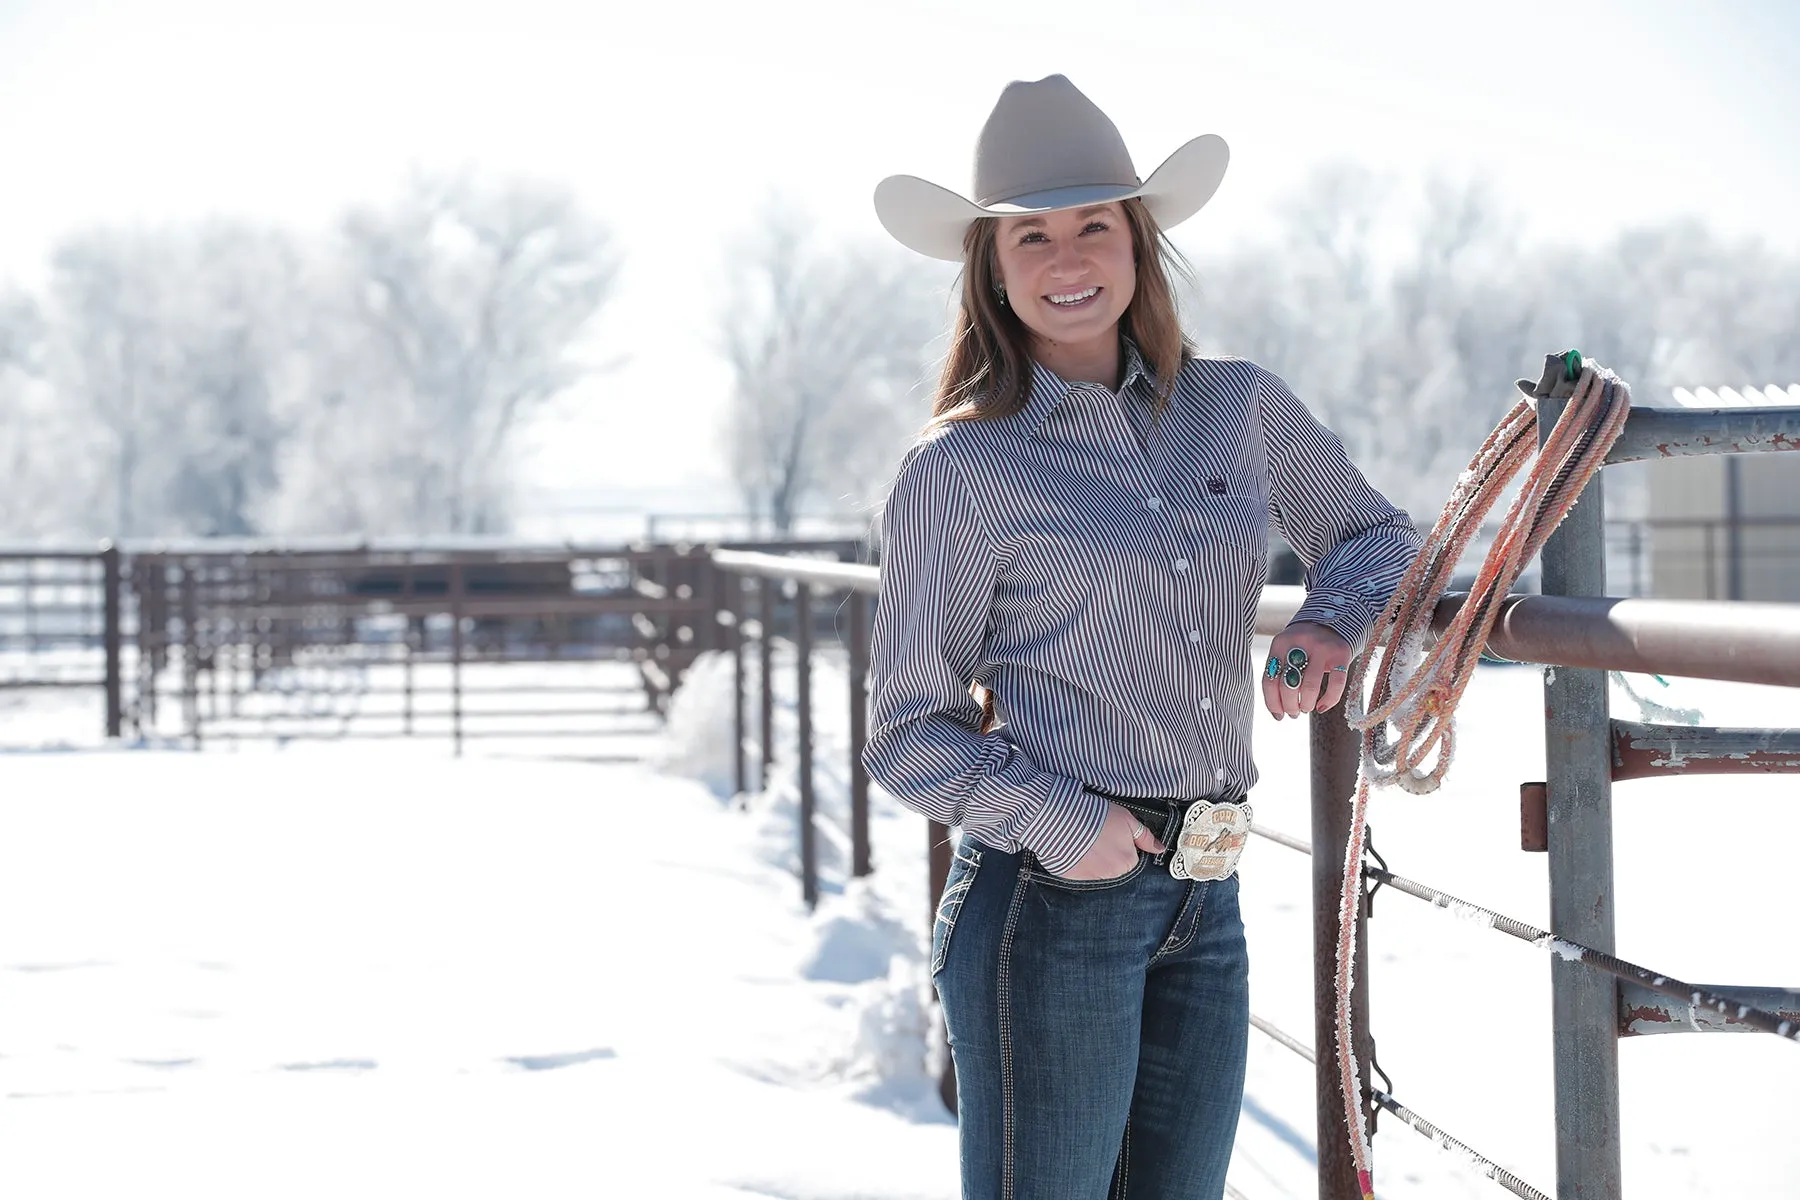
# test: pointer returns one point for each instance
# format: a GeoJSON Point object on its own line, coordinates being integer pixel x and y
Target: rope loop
{"type": "Point", "coordinates": [1402, 696]}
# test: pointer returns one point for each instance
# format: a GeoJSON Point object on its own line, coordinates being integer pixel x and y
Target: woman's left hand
{"type": "Point", "coordinates": [1321, 680]}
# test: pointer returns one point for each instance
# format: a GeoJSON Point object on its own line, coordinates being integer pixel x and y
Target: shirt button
{"type": "Point", "coordinates": [1206, 704]}
{"type": "Point", "coordinates": [1181, 564]}
{"type": "Point", "coordinates": [1219, 774]}
{"type": "Point", "coordinates": [1194, 635]}
{"type": "Point", "coordinates": [1153, 501]}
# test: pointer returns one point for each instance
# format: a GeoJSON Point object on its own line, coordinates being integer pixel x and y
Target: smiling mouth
{"type": "Point", "coordinates": [1069, 300]}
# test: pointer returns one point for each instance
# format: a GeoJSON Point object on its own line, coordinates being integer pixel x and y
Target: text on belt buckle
{"type": "Point", "coordinates": [1213, 834]}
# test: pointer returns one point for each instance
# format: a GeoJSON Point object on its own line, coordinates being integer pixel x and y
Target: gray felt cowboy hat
{"type": "Point", "coordinates": [1045, 147]}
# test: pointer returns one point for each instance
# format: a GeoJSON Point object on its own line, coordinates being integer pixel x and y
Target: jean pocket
{"type": "Point", "coordinates": [956, 889]}
{"type": "Point", "coordinates": [1089, 885]}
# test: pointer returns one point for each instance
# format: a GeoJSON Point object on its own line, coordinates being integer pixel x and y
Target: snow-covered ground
{"type": "Point", "coordinates": [369, 969]}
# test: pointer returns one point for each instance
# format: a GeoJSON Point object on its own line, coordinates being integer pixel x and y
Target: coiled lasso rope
{"type": "Point", "coordinates": [1398, 687]}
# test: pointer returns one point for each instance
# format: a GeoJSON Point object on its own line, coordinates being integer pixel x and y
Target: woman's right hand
{"type": "Point", "coordinates": [1115, 851]}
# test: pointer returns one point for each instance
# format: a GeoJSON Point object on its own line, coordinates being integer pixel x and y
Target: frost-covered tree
{"type": "Point", "coordinates": [828, 345]}
{"type": "Point", "coordinates": [110, 359]}
{"type": "Point", "coordinates": [449, 318]}
{"type": "Point", "coordinates": [30, 507]}
{"type": "Point", "coordinates": [170, 346]}
{"type": "Point", "coordinates": [1400, 319]}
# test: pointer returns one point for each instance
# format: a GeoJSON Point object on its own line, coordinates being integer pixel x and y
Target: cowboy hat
{"type": "Point", "coordinates": [1046, 147]}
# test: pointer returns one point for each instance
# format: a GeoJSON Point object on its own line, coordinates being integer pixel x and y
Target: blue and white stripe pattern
{"type": "Point", "coordinates": [1099, 572]}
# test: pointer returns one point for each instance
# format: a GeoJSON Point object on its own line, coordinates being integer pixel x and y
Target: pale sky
{"type": "Point", "coordinates": [673, 120]}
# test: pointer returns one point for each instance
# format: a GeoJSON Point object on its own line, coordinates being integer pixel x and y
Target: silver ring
{"type": "Point", "coordinates": [1137, 831]}
{"type": "Point", "coordinates": [1340, 668]}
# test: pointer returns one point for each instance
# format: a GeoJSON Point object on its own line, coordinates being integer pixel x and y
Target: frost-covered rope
{"type": "Point", "coordinates": [1399, 687]}
{"type": "Point", "coordinates": [1663, 985]}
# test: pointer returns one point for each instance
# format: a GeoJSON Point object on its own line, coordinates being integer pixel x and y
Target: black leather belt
{"type": "Point", "coordinates": [1162, 816]}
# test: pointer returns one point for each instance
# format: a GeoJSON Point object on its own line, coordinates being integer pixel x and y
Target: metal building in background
{"type": "Point", "coordinates": [1726, 526]}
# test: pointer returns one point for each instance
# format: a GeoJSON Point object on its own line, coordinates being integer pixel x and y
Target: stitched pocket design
{"type": "Point", "coordinates": [956, 889]}
{"type": "Point", "coordinates": [1090, 885]}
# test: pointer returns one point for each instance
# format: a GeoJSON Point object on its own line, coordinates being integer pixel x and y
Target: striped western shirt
{"type": "Point", "coordinates": [1098, 570]}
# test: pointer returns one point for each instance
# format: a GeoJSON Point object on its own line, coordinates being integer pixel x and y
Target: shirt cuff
{"type": "Point", "coordinates": [1343, 612]}
{"type": "Point", "coordinates": [1064, 827]}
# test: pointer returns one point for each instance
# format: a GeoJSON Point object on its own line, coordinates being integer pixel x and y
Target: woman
{"type": "Point", "coordinates": [1080, 538]}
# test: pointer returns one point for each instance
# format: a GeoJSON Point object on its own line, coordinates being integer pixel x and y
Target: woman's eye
{"type": "Point", "coordinates": [1033, 235]}
{"type": "Point", "coordinates": [1095, 225]}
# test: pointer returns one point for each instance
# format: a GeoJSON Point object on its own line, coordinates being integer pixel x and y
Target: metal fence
{"type": "Point", "coordinates": [1596, 997]}
{"type": "Point", "coordinates": [250, 640]}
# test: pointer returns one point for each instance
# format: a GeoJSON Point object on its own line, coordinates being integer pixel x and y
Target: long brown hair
{"type": "Point", "coordinates": [987, 374]}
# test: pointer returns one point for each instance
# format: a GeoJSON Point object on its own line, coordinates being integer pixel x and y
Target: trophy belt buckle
{"type": "Point", "coordinates": [1212, 836]}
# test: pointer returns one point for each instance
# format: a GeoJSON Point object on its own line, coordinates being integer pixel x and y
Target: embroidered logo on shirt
{"type": "Point", "coordinates": [1216, 486]}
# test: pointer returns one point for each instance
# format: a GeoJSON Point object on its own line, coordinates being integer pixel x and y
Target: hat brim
{"type": "Point", "coordinates": [932, 220]}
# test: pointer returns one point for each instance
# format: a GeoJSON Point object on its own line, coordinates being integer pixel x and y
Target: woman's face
{"type": "Point", "coordinates": [1069, 275]}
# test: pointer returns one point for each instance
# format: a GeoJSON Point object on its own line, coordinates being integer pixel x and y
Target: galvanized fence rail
{"type": "Point", "coordinates": [1575, 628]}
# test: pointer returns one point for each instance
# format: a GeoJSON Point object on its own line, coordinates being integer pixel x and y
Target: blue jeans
{"type": "Point", "coordinates": [1099, 1028]}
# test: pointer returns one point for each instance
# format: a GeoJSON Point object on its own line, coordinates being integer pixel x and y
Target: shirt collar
{"type": "Point", "coordinates": [1049, 390]}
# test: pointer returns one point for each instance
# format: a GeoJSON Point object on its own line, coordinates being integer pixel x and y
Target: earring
{"type": "Point", "coordinates": [1000, 293]}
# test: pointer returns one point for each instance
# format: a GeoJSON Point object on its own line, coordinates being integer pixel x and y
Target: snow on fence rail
{"type": "Point", "coordinates": [1583, 636]}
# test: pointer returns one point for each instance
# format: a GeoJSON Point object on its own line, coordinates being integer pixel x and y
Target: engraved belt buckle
{"type": "Point", "coordinates": [1213, 834]}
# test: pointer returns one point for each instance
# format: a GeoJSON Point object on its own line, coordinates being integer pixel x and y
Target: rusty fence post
{"type": "Point", "coordinates": [456, 654]}
{"type": "Point", "coordinates": [111, 582]}
{"type": "Point", "coordinates": [1334, 758]}
{"type": "Point", "coordinates": [409, 634]}
{"type": "Point", "coordinates": [803, 755]}
{"type": "Point", "coordinates": [1578, 786]}
{"type": "Point", "coordinates": [733, 585]}
{"type": "Point", "coordinates": [190, 649]}
{"type": "Point", "coordinates": [861, 859]}
{"type": "Point", "coordinates": [766, 675]}
{"type": "Point", "coordinates": [709, 587]}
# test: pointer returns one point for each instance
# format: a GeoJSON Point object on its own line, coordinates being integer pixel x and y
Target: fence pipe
{"type": "Point", "coordinates": [734, 609]}
{"type": "Point", "coordinates": [1653, 433]}
{"type": "Point", "coordinates": [111, 581]}
{"type": "Point", "coordinates": [861, 859]}
{"type": "Point", "coordinates": [456, 655]}
{"type": "Point", "coordinates": [765, 649]}
{"type": "Point", "coordinates": [1578, 778]}
{"type": "Point", "coordinates": [1746, 642]}
{"type": "Point", "coordinates": [803, 759]}
{"type": "Point", "coordinates": [1641, 751]}
{"type": "Point", "coordinates": [1645, 1010]}
{"type": "Point", "coordinates": [190, 649]}
{"type": "Point", "coordinates": [1335, 749]}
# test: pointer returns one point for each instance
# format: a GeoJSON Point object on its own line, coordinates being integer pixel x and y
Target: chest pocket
{"type": "Point", "coordinates": [1226, 501]}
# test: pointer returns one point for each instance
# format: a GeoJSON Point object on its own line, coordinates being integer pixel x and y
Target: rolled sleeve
{"type": "Point", "coordinates": [1356, 545]}
{"type": "Point", "coordinates": [928, 644]}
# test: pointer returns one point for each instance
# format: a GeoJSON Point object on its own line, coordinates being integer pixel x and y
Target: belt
{"type": "Point", "coordinates": [1162, 815]}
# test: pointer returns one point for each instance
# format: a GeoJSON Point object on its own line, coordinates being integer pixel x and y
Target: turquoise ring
{"type": "Point", "coordinates": [1295, 669]}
